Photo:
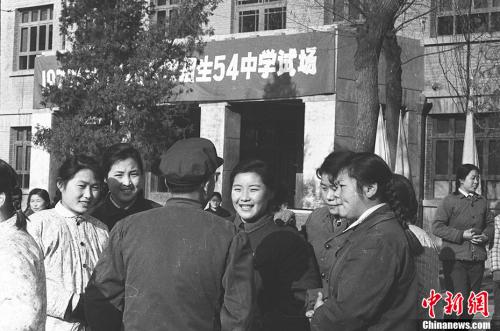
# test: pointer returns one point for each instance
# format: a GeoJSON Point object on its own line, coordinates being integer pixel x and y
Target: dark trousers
{"type": "Point", "coordinates": [496, 299]}
{"type": "Point", "coordinates": [463, 277]}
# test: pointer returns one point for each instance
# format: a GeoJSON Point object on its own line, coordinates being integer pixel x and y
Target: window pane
{"type": "Point", "coordinates": [28, 134]}
{"type": "Point", "coordinates": [25, 17]}
{"type": "Point", "coordinates": [274, 18]}
{"type": "Point", "coordinates": [26, 182]}
{"type": "Point", "coordinates": [51, 10]}
{"type": "Point", "coordinates": [495, 21]}
{"type": "Point", "coordinates": [31, 61]}
{"type": "Point", "coordinates": [445, 25]}
{"type": "Point", "coordinates": [445, 5]}
{"type": "Point", "coordinates": [479, 22]}
{"type": "Point", "coordinates": [354, 12]}
{"type": "Point", "coordinates": [20, 180]}
{"type": "Point", "coordinates": [249, 21]}
{"type": "Point", "coordinates": [33, 33]}
{"type": "Point", "coordinates": [34, 15]}
{"type": "Point", "coordinates": [442, 157]}
{"type": "Point", "coordinates": [44, 14]}
{"type": "Point", "coordinates": [24, 40]}
{"type": "Point", "coordinates": [441, 188]}
{"type": "Point", "coordinates": [458, 148]}
{"type": "Point", "coordinates": [463, 4]}
{"type": "Point", "coordinates": [174, 2]}
{"type": "Point", "coordinates": [494, 157]}
{"type": "Point", "coordinates": [19, 134]}
{"type": "Point", "coordinates": [496, 3]}
{"type": "Point", "coordinates": [28, 158]}
{"type": "Point", "coordinates": [49, 46]}
{"type": "Point", "coordinates": [162, 2]}
{"type": "Point", "coordinates": [493, 190]}
{"type": "Point", "coordinates": [160, 17]}
{"type": "Point", "coordinates": [442, 125]}
{"type": "Point", "coordinates": [460, 125]}
{"type": "Point", "coordinates": [480, 3]}
{"type": "Point", "coordinates": [19, 157]}
{"type": "Point", "coordinates": [42, 37]}
{"type": "Point", "coordinates": [23, 62]}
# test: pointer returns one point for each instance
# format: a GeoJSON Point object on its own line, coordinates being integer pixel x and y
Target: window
{"type": "Point", "coordinates": [274, 18]}
{"type": "Point", "coordinates": [258, 15]}
{"type": "Point", "coordinates": [249, 21]}
{"type": "Point", "coordinates": [447, 140]}
{"type": "Point", "coordinates": [165, 11]}
{"type": "Point", "coordinates": [35, 34]}
{"type": "Point", "coordinates": [21, 154]}
{"type": "Point", "coordinates": [453, 16]}
{"type": "Point", "coordinates": [343, 10]}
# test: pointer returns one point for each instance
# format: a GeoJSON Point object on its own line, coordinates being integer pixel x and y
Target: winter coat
{"type": "Point", "coordinates": [23, 298]}
{"type": "Point", "coordinates": [372, 282]}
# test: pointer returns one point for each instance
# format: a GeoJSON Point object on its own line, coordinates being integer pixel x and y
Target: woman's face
{"type": "Point", "coordinates": [80, 192]}
{"type": "Point", "coordinates": [351, 202]}
{"type": "Point", "coordinates": [471, 182]}
{"type": "Point", "coordinates": [124, 180]}
{"type": "Point", "coordinates": [37, 203]}
{"type": "Point", "coordinates": [250, 196]}
{"type": "Point", "coordinates": [328, 194]}
{"type": "Point", "coordinates": [214, 202]}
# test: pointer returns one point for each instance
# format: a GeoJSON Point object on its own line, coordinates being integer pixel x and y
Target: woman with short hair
{"type": "Point", "coordinates": [124, 175]}
{"type": "Point", "coordinates": [71, 241]}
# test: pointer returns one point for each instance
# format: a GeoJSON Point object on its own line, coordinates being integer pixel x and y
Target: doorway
{"type": "Point", "coordinates": [274, 132]}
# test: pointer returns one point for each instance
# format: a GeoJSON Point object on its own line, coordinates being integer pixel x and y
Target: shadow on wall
{"type": "Point", "coordinates": [280, 87]}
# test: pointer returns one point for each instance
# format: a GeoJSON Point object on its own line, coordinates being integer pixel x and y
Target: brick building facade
{"type": "Point", "coordinates": [314, 122]}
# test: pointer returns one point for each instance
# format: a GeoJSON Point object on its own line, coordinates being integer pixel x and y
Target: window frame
{"type": "Point", "coordinates": [32, 26]}
{"type": "Point", "coordinates": [21, 139]}
{"type": "Point", "coordinates": [261, 7]}
{"type": "Point", "coordinates": [483, 137]}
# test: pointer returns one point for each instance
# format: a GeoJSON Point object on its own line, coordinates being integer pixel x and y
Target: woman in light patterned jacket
{"type": "Point", "coordinates": [23, 298]}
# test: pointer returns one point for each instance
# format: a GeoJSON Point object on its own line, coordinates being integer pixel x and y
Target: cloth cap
{"type": "Point", "coordinates": [189, 162]}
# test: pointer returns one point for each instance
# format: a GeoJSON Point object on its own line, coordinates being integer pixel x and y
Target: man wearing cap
{"type": "Point", "coordinates": [176, 267]}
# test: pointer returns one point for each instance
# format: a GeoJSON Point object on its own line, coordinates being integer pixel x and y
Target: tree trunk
{"type": "Point", "coordinates": [366, 59]}
{"type": "Point", "coordinates": [393, 89]}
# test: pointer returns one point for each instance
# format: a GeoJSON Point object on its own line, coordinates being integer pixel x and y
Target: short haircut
{"type": "Point", "coordinates": [120, 152]}
{"type": "Point", "coordinates": [74, 164]}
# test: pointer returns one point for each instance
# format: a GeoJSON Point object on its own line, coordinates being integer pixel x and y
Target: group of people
{"type": "Point", "coordinates": [129, 264]}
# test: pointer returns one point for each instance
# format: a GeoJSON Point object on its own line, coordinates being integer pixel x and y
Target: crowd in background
{"type": "Point", "coordinates": [103, 257]}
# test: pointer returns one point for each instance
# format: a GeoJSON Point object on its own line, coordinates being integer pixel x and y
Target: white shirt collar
{"type": "Point", "coordinates": [63, 211]}
{"type": "Point", "coordinates": [363, 216]}
{"type": "Point", "coordinates": [464, 193]}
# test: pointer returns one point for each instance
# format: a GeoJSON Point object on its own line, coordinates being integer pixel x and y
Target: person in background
{"type": "Point", "coordinates": [71, 241]}
{"type": "Point", "coordinates": [464, 223]}
{"type": "Point", "coordinates": [427, 263]}
{"type": "Point", "coordinates": [495, 269]}
{"type": "Point", "coordinates": [38, 199]}
{"type": "Point", "coordinates": [214, 206]}
{"type": "Point", "coordinates": [124, 175]}
{"type": "Point", "coordinates": [284, 262]}
{"type": "Point", "coordinates": [324, 222]}
{"type": "Point", "coordinates": [17, 198]}
{"type": "Point", "coordinates": [176, 267]}
{"type": "Point", "coordinates": [371, 283]}
{"type": "Point", "coordinates": [23, 299]}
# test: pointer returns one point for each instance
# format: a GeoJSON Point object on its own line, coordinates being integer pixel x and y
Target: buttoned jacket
{"type": "Point", "coordinates": [371, 283]}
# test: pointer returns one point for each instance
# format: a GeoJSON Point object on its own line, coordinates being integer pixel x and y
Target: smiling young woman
{"type": "Point", "coordinates": [124, 175]}
{"type": "Point", "coordinates": [284, 262]}
{"type": "Point", "coordinates": [71, 241]}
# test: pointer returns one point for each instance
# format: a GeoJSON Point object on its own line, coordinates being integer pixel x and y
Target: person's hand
{"type": "Point", "coordinates": [479, 239]}
{"type": "Point", "coordinates": [319, 303]}
{"type": "Point", "coordinates": [469, 234]}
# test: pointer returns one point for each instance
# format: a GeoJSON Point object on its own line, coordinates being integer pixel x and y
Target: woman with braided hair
{"type": "Point", "coordinates": [372, 282]}
{"type": "Point", "coordinates": [465, 225]}
{"type": "Point", "coordinates": [23, 298]}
